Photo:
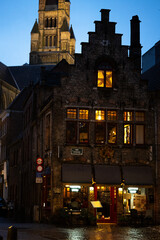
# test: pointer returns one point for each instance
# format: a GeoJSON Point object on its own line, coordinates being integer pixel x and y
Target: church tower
{"type": "Point", "coordinates": [52, 37]}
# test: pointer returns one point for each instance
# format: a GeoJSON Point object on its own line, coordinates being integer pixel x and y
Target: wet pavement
{"type": "Point", "coordinates": [28, 231]}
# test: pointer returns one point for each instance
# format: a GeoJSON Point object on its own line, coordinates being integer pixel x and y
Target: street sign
{"type": "Point", "coordinates": [39, 161]}
{"type": "Point", "coordinates": [39, 168]}
{"type": "Point", "coordinates": [39, 180]}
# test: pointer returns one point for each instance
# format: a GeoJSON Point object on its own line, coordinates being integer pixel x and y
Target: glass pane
{"type": "Point", "coordinates": [83, 114]}
{"type": "Point", "coordinates": [108, 79]}
{"type": "Point", "coordinates": [112, 133]}
{"type": "Point", "coordinates": [83, 132]}
{"type": "Point", "coordinates": [100, 133]}
{"type": "Point", "coordinates": [71, 130]}
{"type": "Point", "coordinates": [139, 116]}
{"type": "Point", "coordinates": [100, 82]}
{"type": "Point", "coordinates": [127, 134]}
{"type": "Point", "coordinates": [128, 116]}
{"type": "Point", "coordinates": [100, 115]}
{"type": "Point", "coordinates": [139, 134]}
{"type": "Point", "coordinates": [72, 113]}
{"type": "Point", "coordinates": [112, 115]}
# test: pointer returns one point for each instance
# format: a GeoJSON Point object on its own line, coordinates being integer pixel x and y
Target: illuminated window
{"type": "Point", "coordinates": [83, 114]}
{"type": "Point", "coordinates": [139, 134]}
{"type": "Point", "coordinates": [127, 134]}
{"type": "Point", "coordinates": [83, 132]}
{"type": "Point", "coordinates": [100, 132]}
{"type": "Point", "coordinates": [104, 79]}
{"type": "Point", "coordinates": [111, 115]}
{"type": "Point", "coordinates": [100, 115]}
{"type": "Point", "coordinates": [112, 133]}
{"type": "Point", "coordinates": [128, 116]}
{"type": "Point", "coordinates": [71, 113]}
{"type": "Point", "coordinates": [140, 116]}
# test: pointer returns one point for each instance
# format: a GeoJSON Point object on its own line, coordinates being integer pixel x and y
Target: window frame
{"type": "Point", "coordinates": [105, 70]}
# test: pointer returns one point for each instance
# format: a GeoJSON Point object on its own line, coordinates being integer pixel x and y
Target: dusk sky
{"type": "Point", "coordinates": [17, 19]}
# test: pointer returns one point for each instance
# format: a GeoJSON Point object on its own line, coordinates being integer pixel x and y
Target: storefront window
{"type": "Point", "coordinates": [83, 132]}
{"type": "Point", "coordinates": [100, 132]}
{"type": "Point", "coordinates": [139, 134]}
{"type": "Point", "coordinates": [127, 134]}
{"type": "Point", "coordinates": [112, 133]}
{"type": "Point", "coordinates": [71, 132]}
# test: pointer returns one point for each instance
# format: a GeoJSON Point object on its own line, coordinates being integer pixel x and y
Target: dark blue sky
{"type": "Point", "coordinates": [17, 19]}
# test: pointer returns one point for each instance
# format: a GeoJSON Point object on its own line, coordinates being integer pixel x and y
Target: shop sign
{"type": "Point", "coordinates": [77, 151]}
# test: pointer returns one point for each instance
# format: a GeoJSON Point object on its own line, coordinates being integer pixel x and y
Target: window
{"type": "Point", "coordinates": [50, 41]}
{"type": "Point", "coordinates": [128, 116]}
{"type": "Point", "coordinates": [78, 129]}
{"type": "Point", "coordinates": [71, 132]}
{"type": "Point", "coordinates": [139, 134]}
{"type": "Point", "coordinates": [100, 132]}
{"type": "Point", "coordinates": [71, 113]}
{"type": "Point", "coordinates": [140, 116]}
{"type": "Point", "coordinates": [104, 79]}
{"type": "Point", "coordinates": [99, 115]}
{"type": "Point", "coordinates": [111, 115]}
{"type": "Point", "coordinates": [83, 132]}
{"type": "Point", "coordinates": [127, 134]}
{"type": "Point", "coordinates": [46, 43]}
{"type": "Point", "coordinates": [112, 133]}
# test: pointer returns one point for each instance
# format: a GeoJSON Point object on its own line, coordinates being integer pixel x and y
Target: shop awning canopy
{"type": "Point", "coordinates": [137, 175]}
{"type": "Point", "coordinates": [110, 175]}
{"type": "Point", "coordinates": [76, 173]}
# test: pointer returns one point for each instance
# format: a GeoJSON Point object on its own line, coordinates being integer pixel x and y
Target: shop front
{"type": "Point", "coordinates": [138, 190]}
{"type": "Point", "coordinates": [80, 190]}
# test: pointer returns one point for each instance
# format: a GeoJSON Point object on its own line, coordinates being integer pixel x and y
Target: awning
{"type": "Point", "coordinates": [110, 175]}
{"type": "Point", "coordinates": [137, 175]}
{"type": "Point", "coordinates": [76, 173]}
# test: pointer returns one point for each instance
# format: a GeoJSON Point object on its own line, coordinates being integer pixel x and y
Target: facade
{"type": "Point", "coordinates": [92, 127]}
{"type": "Point", "coordinates": [52, 38]}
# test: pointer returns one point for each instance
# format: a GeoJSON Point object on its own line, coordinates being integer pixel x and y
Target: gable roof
{"type": "Point", "coordinates": [6, 76]}
{"type": "Point", "coordinates": [27, 74]}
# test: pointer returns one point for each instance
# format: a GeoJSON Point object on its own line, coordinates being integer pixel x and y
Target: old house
{"type": "Point", "coordinates": [89, 131]}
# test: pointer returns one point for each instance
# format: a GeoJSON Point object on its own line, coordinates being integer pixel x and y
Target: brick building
{"type": "Point", "coordinates": [92, 124]}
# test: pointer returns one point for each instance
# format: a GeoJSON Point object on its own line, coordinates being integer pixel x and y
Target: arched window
{"type": "Point", "coordinates": [55, 41]}
{"type": "Point", "coordinates": [46, 24]}
{"type": "Point", "coordinates": [46, 43]}
{"type": "Point", "coordinates": [50, 41]}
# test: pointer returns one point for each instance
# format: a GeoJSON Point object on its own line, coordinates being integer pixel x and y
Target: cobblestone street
{"type": "Point", "coordinates": [27, 231]}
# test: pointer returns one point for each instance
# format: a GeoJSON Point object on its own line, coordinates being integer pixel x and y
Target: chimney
{"type": "Point", "coordinates": [135, 47]}
{"type": "Point", "coordinates": [105, 15]}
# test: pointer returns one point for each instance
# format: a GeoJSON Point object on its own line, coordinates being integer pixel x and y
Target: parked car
{"type": "Point", "coordinates": [3, 207]}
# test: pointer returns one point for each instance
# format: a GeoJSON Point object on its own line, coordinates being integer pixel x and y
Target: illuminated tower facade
{"type": "Point", "coordinates": [52, 37]}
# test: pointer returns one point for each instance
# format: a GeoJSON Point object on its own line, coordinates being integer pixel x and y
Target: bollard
{"type": "Point", "coordinates": [12, 233]}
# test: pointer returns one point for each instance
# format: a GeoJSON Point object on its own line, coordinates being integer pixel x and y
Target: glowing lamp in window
{"type": "Point", "coordinates": [108, 79]}
{"type": "Point", "coordinates": [100, 82]}
{"type": "Point", "coordinates": [100, 115]}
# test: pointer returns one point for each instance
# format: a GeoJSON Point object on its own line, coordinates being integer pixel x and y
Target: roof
{"type": "Point", "coordinates": [72, 33]}
{"type": "Point", "coordinates": [153, 77]}
{"type": "Point", "coordinates": [18, 102]}
{"type": "Point", "coordinates": [27, 74]}
{"type": "Point", "coordinates": [6, 76]}
{"type": "Point", "coordinates": [65, 26]}
{"type": "Point", "coordinates": [35, 27]}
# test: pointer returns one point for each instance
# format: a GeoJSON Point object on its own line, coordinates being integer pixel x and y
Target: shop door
{"type": "Point", "coordinates": [108, 198]}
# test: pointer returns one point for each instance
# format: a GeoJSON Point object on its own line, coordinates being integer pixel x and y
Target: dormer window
{"type": "Point", "coordinates": [104, 79]}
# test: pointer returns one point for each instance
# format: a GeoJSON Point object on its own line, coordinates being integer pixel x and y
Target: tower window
{"type": "Point", "coordinates": [46, 43]}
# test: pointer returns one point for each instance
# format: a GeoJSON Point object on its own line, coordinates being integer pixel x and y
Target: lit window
{"type": "Point", "coordinates": [104, 79]}
{"type": "Point", "coordinates": [140, 116]}
{"type": "Point", "coordinates": [100, 115]}
{"type": "Point", "coordinates": [112, 133]}
{"type": "Point", "coordinates": [128, 116]}
{"type": "Point", "coordinates": [83, 132]}
{"type": "Point", "coordinates": [71, 113]}
{"type": "Point", "coordinates": [100, 132]}
{"type": "Point", "coordinates": [139, 134]}
{"type": "Point", "coordinates": [111, 115]}
{"type": "Point", "coordinates": [83, 114]}
{"type": "Point", "coordinates": [127, 134]}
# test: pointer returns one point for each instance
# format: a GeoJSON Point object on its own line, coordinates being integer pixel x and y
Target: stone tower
{"type": "Point", "coordinates": [52, 38]}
